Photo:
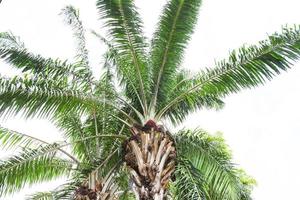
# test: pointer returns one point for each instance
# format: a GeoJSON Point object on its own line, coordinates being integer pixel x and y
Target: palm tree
{"type": "Point", "coordinates": [119, 117]}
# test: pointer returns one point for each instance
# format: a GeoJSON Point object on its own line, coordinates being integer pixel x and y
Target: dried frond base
{"type": "Point", "coordinates": [150, 157]}
{"type": "Point", "coordinates": [99, 192]}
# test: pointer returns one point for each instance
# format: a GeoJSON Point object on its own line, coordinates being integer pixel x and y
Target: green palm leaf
{"type": "Point", "coordinates": [189, 183]}
{"type": "Point", "coordinates": [41, 196]}
{"type": "Point", "coordinates": [253, 65]}
{"type": "Point", "coordinates": [124, 28]}
{"type": "Point", "coordinates": [10, 139]}
{"type": "Point", "coordinates": [210, 155]}
{"type": "Point", "coordinates": [63, 192]}
{"type": "Point", "coordinates": [246, 68]}
{"type": "Point", "coordinates": [72, 19]}
{"type": "Point", "coordinates": [7, 39]}
{"type": "Point", "coordinates": [169, 41]}
{"type": "Point", "coordinates": [73, 130]}
{"type": "Point", "coordinates": [192, 102]}
{"type": "Point", "coordinates": [31, 166]}
{"type": "Point", "coordinates": [14, 52]}
{"type": "Point", "coordinates": [40, 97]}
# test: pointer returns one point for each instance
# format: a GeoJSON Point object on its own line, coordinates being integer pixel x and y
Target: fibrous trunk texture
{"type": "Point", "coordinates": [97, 190]}
{"type": "Point", "coordinates": [150, 156]}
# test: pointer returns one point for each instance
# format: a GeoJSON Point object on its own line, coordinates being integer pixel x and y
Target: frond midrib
{"type": "Point", "coordinates": [153, 102]}
{"type": "Point", "coordinates": [135, 61]}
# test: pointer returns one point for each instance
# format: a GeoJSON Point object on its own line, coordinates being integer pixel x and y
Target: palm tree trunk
{"type": "Point", "coordinates": [150, 157]}
{"type": "Point", "coordinates": [97, 190]}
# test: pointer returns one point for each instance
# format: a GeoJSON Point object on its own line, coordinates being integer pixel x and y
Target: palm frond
{"type": "Point", "coordinates": [189, 182]}
{"type": "Point", "coordinates": [100, 121]}
{"type": "Point", "coordinates": [102, 39]}
{"type": "Point", "coordinates": [176, 25]}
{"type": "Point", "coordinates": [125, 29]}
{"type": "Point", "coordinates": [7, 39]}
{"type": "Point", "coordinates": [35, 64]}
{"type": "Point", "coordinates": [30, 167]}
{"type": "Point", "coordinates": [14, 52]}
{"type": "Point", "coordinates": [247, 185]}
{"type": "Point", "coordinates": [247, 67]}
{"type": "Point", "coordinates": [72, 18]}
{"type": "Point", "coordinates": [40, 97]}
{"type": "Point", "coordinates": [190, 103]}
{"type": "Point", "coordinates": [112, 59]}
{"type": "Point", "coordinates": [62, 192]}
{"type": "Point", "coordinates": [81, 174]}
{"type": "Point", "coordinates": [41, 196]}
{"type": "Point", "coordinates": [10, 139]}
{"type": "Point", "coordinates": [211, 156]}
{"type": "Point", "coordinates": [73, 130]}
{"type": "Point", "coordinates": [253, 65]}
{"type": "Point", "coordinates": [36, 96]}
{"type": "Point", "coordinates": [66, 191]}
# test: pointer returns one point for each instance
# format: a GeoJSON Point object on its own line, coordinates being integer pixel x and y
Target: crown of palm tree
{"type": "Point", "coordinates": [142, 84]}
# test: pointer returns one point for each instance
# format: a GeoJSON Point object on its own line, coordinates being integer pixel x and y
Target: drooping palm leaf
{"type": "Point", "coordinates": [30, 167]}
{"type": "Point", "coordinates": [63, 192]}
{"type": "Point", "coordinates": [73, 130]}
{"type": "Point", "coordinates": [47, 98]}
{"type": "Point", "coordinates": [42, 196]}
{"type": "Point", "coordinates": [10, 139]}
{"type": "Point", "coordinates": [210, 155]}
{"type": "Point", "coordinates": [189, 182]}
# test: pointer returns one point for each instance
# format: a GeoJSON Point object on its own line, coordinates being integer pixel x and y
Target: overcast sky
{"type": "Point", "coordinates": [260, 125]}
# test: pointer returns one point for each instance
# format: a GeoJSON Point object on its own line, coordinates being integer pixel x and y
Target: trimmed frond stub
{"type": "Point", "coordinates": [150, 156]}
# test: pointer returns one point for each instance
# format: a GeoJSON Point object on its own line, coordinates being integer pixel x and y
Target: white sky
{"type": "Point", "coordinates": [260, 125]}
